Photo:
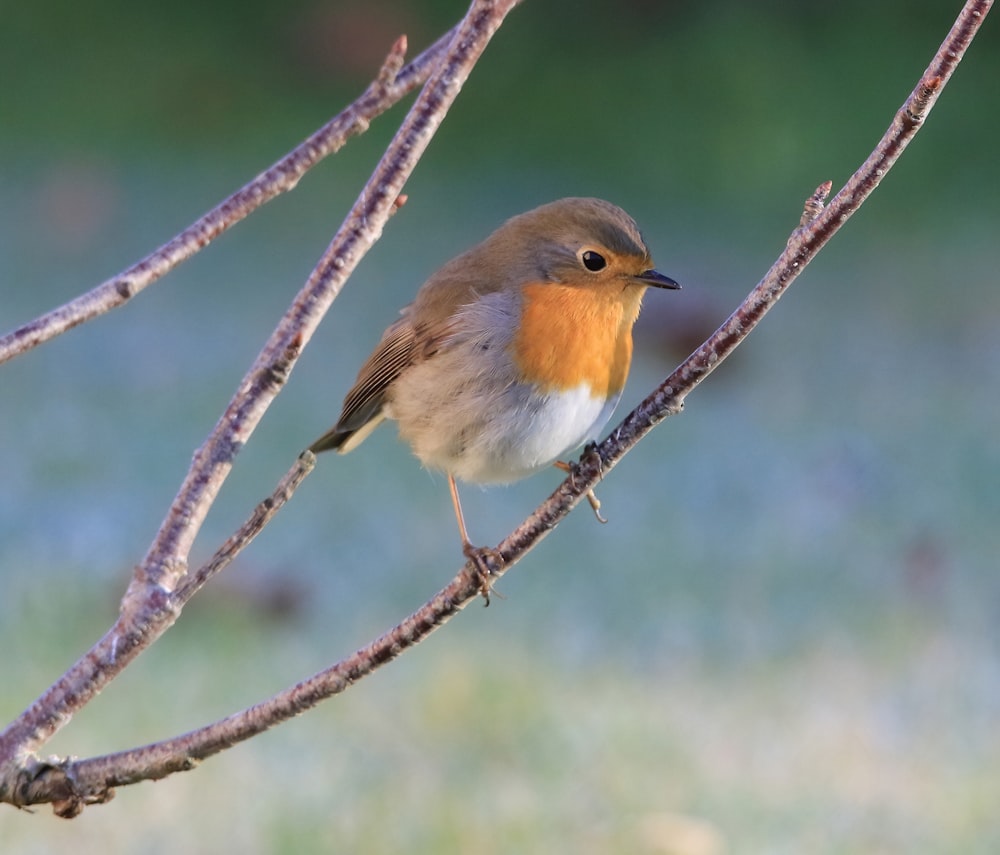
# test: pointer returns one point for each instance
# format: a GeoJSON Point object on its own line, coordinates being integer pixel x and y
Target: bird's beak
{"type": "Point", "coordinates": [656, 279]}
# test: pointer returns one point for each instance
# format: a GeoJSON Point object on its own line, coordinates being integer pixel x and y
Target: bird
{"type": "Point", "coordinates": [512, 354]}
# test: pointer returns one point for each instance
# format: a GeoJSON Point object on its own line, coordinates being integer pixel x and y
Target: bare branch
{"type": "Point", "coordinates": [59, 781]}
{"type": "Point", "coordinates": [75, 783]}
{"type": "Point", "coordinates": [817, 226]}
{"type": "Point", "coordinates": [242, 538]}
{"type": "Point", "coordinates": [149, 606]}
{"type": "Point", "coordinates": [146, 613]}
{"type": "Point", "coordinates": [392, 83]}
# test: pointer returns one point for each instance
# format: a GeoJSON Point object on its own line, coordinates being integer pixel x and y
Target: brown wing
{"type": "Point", "coordinates": [425, 327]}
{"type": "Point", "coordinates": [362, 409]}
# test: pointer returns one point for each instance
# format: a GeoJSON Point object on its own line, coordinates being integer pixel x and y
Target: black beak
{"type": "Point", "coordinates": [656, 279]}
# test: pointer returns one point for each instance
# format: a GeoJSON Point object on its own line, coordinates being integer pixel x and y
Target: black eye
{"type": "Point", "coordinates": [593, 261]}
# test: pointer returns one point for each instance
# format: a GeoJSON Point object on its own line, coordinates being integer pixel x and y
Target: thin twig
{"type": "Point", "coordinates": [67, 794]}
{"type": "Point", "coordinates": [149, 607]}
{"type": "Point", "coordinates": [244, 535]}
{"type": "Point", "coordinates": [391, 84]}
{"type": "Point", "coordinates": [817, 226]}
{"type": "Point", "coordinates": [76, 783]}
{"type": "Point", "coordinates": [164, 563]}
{"type": "Point", "coordinates": [147, 612]}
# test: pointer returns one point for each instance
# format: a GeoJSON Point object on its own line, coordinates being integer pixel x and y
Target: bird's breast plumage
{"type": "Point", "coordinates": [488, 409]}
{"type": "Point", "coordinates": [570, 336]}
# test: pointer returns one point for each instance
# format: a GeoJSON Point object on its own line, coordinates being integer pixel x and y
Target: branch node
{"type": "Point", "coordinates": [278, 371]}
{"type": "Point", "coordinates": [814, 204]}
{"type": "Point", "coordinates": [393, 64]}
{"type": "Point", "coordinates": [926, 91]}
{"type": "Point", "coordinates": [52, 780]}
{"type": "Point", "coordinates": [124, 287]}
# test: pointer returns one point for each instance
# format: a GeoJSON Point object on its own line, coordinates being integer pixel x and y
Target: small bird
{"type": "Point", "coordinates": [512, 354]}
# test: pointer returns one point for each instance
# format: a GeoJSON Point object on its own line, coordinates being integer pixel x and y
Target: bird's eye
{"type": "Point", "coordinates": [593, 261]}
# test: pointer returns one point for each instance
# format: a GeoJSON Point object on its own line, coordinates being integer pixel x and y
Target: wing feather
{"type": "Point", "coordinates": [364, 402]}
{"type": "Point", "coordinates": [403, 344]}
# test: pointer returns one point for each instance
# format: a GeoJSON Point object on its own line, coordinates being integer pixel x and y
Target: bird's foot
{"type": "Point", "coordinates": [589, 452]}
{"type": "Point", "coordinates": [486, 563]}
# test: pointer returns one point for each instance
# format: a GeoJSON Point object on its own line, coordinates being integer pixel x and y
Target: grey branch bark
{"type": "Point", "coordinates": [391, 84]}
{"type": "Point", "coordinates": [162, 585]}
{"type": "Point", "coordinates": [149, 606]}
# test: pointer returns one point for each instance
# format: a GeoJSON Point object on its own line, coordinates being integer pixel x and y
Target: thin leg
{"type": "Point", "coordinates": [482, 558]}
{"type": "Point", "coordinates": [466, 543]}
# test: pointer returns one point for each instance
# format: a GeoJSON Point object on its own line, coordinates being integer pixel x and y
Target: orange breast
{"type": "Point", "coordinates": [571, 335]}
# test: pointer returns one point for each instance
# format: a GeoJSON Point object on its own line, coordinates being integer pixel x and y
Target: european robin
{"type": "Point", "coordinates": [512, 354]}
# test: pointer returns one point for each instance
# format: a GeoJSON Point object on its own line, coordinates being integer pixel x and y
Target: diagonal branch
{"type": "Point", "coordinates": [816, 227]}
{"type": "Point", "coordinates": [149, 608]}
{"type": "Point", "coordinates": [392, 83]}
{"type": "Point", "coordinates": [74, 783]}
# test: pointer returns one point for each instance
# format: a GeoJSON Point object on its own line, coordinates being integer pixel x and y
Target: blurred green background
{"type": "Point", "coordinates": [785, 640]}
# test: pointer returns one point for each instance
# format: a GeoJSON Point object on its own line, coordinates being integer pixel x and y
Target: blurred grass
{"type": "Point", "coordinates": [783, 641]}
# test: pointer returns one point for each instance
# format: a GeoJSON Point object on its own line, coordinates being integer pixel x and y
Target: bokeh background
{"type": "Point", "coordinates": [785, 640]}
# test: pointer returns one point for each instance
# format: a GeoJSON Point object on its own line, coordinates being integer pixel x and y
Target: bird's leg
{"type": "Point", "coordinates": [483, 558]}
{"type": "Point", "coordinates": [589, 450]}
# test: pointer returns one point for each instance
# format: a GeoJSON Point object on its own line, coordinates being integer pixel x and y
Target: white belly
{"type": "Point", "coordinates": [562, 422]}
{"type": "Point", "coordinates": [510, 432]}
